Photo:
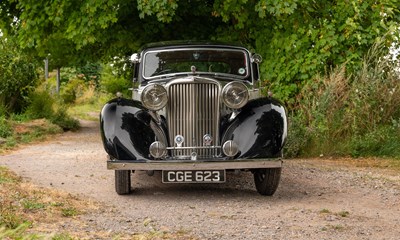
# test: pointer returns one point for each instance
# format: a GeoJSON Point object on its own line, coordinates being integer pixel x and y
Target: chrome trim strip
{"type": "Point", "coordinates": [200, 147]}
{"type": "Point", "coordinates": [246, 53]}
{"type": "Point", "coordinates": [193, 165]}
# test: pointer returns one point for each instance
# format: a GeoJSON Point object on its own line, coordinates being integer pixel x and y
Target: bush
{"type": "Point", "coordinates": [5, 128]}
{"type": "Point", "coordinates": [90, 72]}
{"type": "Point", "coordinates": [41, 105]}
{"type": "Point", "coordinates": [62, 119]}
{"type": "Point", "coordinates": [18, 76]}
{"type": "Point", "coordinates": [112, 82]}
{"type": "Point", "coordinates": [298, 137]}
{"type": "Point", "coordinates": [383, 141]}
{"type": "Point", "coordinates": [73, 89]}
{"type": "Point", "coordinates": [3, 110]}
{"type": "Point", "coordinates": [349, 115]}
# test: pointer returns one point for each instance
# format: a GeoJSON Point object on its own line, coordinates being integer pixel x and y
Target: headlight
{"type": "Point", "coordinates": [235, 95]}
{"type": "Point", "coordinates": [154, 97]}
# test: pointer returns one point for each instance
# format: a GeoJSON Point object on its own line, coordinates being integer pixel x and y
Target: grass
{"type": "Point", "coordinates": [325, 211]}
{"type": "Point", "coordinates": [23, 132]}
{"type": "Point", "coordinates": [86, 111]}
{"type": "Point", "coordinates": [369, 162]}
{"type": "Point", "coordinates": [26, 210]}
{"type": "Point", "coordinates": [343, 213]}
{"type": "Point", "coordinates": [69, 212]}
{"type": "Point", "coordinates": [89, 109]}
{"type": "Point", "coordinates": [349, 114]}
{"type": "Point", "coordinates": [29, 212]}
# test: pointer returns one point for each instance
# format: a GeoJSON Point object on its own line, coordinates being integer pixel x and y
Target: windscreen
{"type": "Point", "coordinates": [213, 61]}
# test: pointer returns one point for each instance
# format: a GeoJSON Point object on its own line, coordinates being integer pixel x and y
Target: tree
{"type": "Point", "coordinates": [77, 31]}
{"type": "Point", "coordinates": [18, 76]}
{"type": "Point", "coordinates": [297, 38]}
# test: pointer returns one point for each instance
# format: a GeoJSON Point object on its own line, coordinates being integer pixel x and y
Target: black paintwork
{"type": "Point", "coordinates": [125, 129]}
{"type": "Point", "coordinates": [260, 129]}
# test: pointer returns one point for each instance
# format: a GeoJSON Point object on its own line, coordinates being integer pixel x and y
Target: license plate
{"type": "Point", "coordinates": [194, 176]}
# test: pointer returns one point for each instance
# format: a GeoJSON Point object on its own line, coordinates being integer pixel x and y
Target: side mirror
{"type": "Point", "coordinates": [135, 58]}
{"type": "Point", "coordinates": [256, 58]}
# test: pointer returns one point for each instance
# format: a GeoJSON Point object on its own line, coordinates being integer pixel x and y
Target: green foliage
{"type": "Point", "coordinates": [382, 141]}
{"type": "Point", "coordinates": [304, 38]}
{"type": "Point", "coordinates": [27, 131]}
{"type": "Point", "coordinates": [72, 89]}
{"type": "Point", "coordinates": [297, 38]}
{"type": "Point", "coordinates": [354, 115]}
{"type": "Point", "coordinates": [298, 136]}
{"type": "Point", "coordinates": [164, 10]}
{"type": "Point", "coordinates": [5, 128]}
{"type": "Point", "coordinates": [43, 105]}
{"type": "Point", "coordinates": [3, 110]}
{"type": "Point", "coordinates": [32, 205]}
{"type": "Point", "coordinates": [18, 76]}
{"type": "Point", "coordinates": [69, 212]}
{"type": "Point", "coordinates": [112, 82]}
{"type": "Point", "coordinates": [18, 203]}
{"type": "Point", "coordinates": [62, 236]}
{"type": "Point", "coordinates": [73, 32]}
{"type": "Point", "coordinates": [62, 119]}
{"type": "Point", "coordinates": [40, 106]}
{"type": "Point", "coordinates": [90, 72]}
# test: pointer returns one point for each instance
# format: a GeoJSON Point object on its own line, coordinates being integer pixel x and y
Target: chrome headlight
{"type": "Point", "coordinates": [154, 97]}
{"type": "Point", "coordinates": [235, 95]}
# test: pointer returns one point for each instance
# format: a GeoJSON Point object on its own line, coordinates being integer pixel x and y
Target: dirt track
{"type": "Point", "coordinates": [317, 199]}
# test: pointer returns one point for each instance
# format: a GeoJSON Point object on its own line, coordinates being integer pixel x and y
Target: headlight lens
{"type": "Point", "coordinates": [154, 97]}
{"type": "Point", "coordinates": [235, 95]}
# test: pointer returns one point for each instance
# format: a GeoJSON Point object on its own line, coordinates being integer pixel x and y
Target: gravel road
{"type": "Point", "coordinates": [317, 198]}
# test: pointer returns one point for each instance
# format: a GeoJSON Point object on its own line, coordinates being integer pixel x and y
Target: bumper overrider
{"type": "Point", "coordinates": [193, 165]}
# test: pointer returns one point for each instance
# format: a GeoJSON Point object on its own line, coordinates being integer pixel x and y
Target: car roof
{"type": "Point", "coordinates": [185, 44]}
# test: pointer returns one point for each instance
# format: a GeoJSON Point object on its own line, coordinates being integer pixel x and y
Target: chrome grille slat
{"type": "Point", "coordinates": [193, 111]}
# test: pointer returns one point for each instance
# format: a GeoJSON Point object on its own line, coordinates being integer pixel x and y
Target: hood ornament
{"type": "Point", "coordinates": [193, 69]}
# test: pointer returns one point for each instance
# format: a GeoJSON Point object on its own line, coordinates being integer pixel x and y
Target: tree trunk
{"type": "Point", "coordinates": [58, 79]}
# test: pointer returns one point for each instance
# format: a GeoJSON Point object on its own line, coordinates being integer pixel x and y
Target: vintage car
{"type": "Point", "coordinates": [196, 113]}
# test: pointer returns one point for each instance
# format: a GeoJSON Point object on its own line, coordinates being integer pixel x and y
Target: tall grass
{"type": "Point", "coordinates": [356, 114]}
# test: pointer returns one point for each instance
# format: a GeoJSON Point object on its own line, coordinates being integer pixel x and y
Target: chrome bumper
{"type": "Point", "coordinates": [194, 165]}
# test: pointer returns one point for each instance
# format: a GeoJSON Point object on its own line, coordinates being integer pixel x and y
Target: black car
{"type": "Point", "coordinates": [197, 112]}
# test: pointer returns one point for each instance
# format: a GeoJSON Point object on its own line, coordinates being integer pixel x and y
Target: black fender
{"type": "Point", "coordinates": [127, 129]}
{"type": "Point", "coordinates": [259, 130]}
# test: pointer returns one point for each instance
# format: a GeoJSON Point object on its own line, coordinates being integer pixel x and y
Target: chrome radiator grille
{"type": "Point", "coordinates": [193, 111]}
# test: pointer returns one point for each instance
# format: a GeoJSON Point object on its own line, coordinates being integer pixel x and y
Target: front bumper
{"type": "Point", "coordinates": [194, 165]}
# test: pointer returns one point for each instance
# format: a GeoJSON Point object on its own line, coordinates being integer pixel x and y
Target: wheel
{"type": "Point", "coordinates": [123, 181]}
{"type": "Point", "coordinates": [267, 180]}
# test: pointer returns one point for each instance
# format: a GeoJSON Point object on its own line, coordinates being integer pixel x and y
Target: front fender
{"type": "Point", "coordinates": [260, 129]}
{"type": "Point", "coordinates": [126, 129]}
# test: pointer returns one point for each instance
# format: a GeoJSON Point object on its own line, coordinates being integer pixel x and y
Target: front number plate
{"type": "Point", "coordinates": [194, 176]}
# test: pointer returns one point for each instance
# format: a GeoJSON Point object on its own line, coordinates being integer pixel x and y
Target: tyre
{"type": "Point", "coordinates": [267, 180]}
{"type": "Point", "coordinates": [123, 181]}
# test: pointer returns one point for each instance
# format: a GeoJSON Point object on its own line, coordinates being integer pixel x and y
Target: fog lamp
{"type": "Point", "coordinates": [157, 149]}
{"type": "Point", "coordinates": [230, 148]}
